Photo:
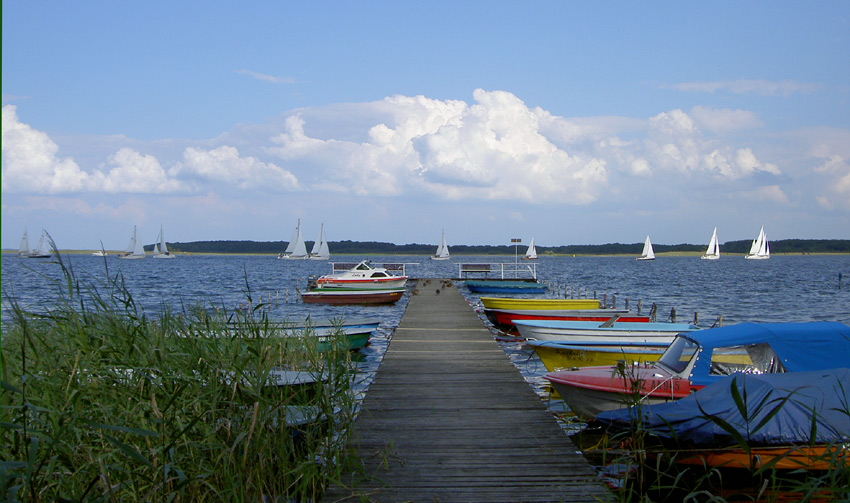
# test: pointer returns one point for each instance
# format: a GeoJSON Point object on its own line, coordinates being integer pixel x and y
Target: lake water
{"type": "Point", "coordinates": [783, 288]}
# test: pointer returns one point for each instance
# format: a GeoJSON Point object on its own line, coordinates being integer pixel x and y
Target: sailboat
{"type": "Point", "coordinates": [760, 249]}
{"type": "Point", "coordinates": [713, 250]}
{"type": "Point", "coordinates": [442, 250]}
{"type": "Point", "coordinates": [320, 249]}
{"type": "Point", "coordinates": [159, 248]}
{"type": "Point", "coordinates": [296, 248]}
{"type": "Point", "coordinates": [24, 249]}
{"type": "Point", "coordinates": [135, 250]}
{"type": "Point", "coordinates": [531, 253]}
{"type": "Point", "coordinates": [647, 253]}
{"type": "Point", "coordinates": [38, 252]}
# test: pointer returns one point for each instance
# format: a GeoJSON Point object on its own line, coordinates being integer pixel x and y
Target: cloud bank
{"type": "Point", "coordinates": [495, 148]}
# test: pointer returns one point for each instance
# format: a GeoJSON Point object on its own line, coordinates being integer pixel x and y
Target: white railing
{"type": "Point", "coordinates": [499, 271]}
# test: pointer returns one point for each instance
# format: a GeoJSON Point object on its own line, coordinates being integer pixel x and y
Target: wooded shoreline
{"type": "Point", "coordinates": [779, 247]}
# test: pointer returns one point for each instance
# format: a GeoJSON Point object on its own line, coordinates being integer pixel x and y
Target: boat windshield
{"type": "Point", "coordinates": [677, 357]}
{"type": "Point", "coordinates": [750, 359]}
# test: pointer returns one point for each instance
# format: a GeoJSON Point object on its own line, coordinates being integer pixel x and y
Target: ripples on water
{"type": "Point", "coordinates": [783, 289]}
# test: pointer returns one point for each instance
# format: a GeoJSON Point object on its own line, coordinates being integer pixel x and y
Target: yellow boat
{"type": "Point", "coordinates": [538, 304]}
{"type": "Point", "coordinates": [557, 355]}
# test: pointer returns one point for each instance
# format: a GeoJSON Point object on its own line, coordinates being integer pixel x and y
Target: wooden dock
{"type": "Point", "coordinates": [448, 418]}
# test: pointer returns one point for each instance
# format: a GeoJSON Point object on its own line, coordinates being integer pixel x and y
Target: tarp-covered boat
{"type": "Point", "coordinates": [699, 358]}
{"type": "Point", "coordinates": [802, 411]}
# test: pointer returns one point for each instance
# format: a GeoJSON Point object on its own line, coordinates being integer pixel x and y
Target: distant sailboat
{"type": "Point", "coordinates": [159, 248]}
{"type": "Point", "coordinates": [24, 249]}
{"type": "Point", "coordinates": [134, 250]}
{"type": "Point", "coordinates": [442, 250]}
{"type": "Point", "coordinates": [647, 253]}
{"type": "Point", "coordinates": [296, 248]}
{"type": "Point", "coordinates": [760, 249]}
{"type": "Point", "coordinates": [320, 249]}
{"type": "Point", "coordinates": [713, 250]}
{"type": "Point", "coordinates": [531, 253]}
{"type": "Point", "coordinates": [39, 251]}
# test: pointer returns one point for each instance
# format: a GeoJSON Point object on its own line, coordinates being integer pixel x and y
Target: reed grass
{"type": "Point", "coordinates": [104, 401]}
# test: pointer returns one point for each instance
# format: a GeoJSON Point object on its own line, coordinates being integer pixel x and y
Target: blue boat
{"type": "Point", "coordinates": [504, 286]}
{"type": "Point", "coordinates": [741, 419]}
{"type": "Point", "coordinates": [697, 359]}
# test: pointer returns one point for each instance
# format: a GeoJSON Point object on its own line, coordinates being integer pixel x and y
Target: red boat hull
{"type": "Point", "coordinates": [504, 318]}
{"type": "Point", "coordinates": [353, 297]}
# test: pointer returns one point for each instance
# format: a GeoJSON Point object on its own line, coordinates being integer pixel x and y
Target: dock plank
{"type": "Point", "coordinates": [448, 418]}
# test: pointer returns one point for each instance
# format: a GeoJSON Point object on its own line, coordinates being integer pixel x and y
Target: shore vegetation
{"type": "Point", "coordinates": [104, 401]}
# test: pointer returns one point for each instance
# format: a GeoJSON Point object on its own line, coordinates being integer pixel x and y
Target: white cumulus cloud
{"type": "Point", "coordinates": [31, 163]}
{"type": "Point", "coordinates": [134, 172]}
{"type": "Point", "coordinates": [224, 164]}
{"type": "Point", "coordinates": [493, 149]}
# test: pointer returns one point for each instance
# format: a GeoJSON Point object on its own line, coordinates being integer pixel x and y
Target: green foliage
{"type": "Point", "coordinates": [102, 401]}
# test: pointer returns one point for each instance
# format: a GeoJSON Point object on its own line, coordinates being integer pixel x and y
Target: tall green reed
{"type": "Point", "coordinates": [101, 400]}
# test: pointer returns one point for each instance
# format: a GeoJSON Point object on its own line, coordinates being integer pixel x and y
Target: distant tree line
{"type": "Point", "coordinates": [380, 248]}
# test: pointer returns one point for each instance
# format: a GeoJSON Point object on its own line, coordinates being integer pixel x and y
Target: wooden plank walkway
{"type": "Point", "coordinates": [448, 418]}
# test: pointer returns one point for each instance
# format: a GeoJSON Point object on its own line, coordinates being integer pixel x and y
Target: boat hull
{"type": "Point", "coordinates": [349, 341]}
{"type": "Point", "coordinates": [588, 403]}
{"type": "Point", "coordinates": [500, 286]}
{"type": "Point", "coordinates": [376, 284]}
{"type": "Point", "coordinates": [593, 333]}
{"type": "Point", "coordinates": [590, 391]}
{"type": "Point", "coordinates": [361, 276]}
{"type": "Point", "coordinates": [350, 296]}
{"type": "Point", "coordinates": [505, 317]}
{"type": "Point", "coordinates": [538, 304]}
{"type": "Point", "coordinates": [789, 457]}
{"type": "Point", "coordinates": [557, 356]}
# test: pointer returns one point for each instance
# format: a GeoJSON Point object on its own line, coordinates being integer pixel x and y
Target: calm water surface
{"type": "Point", "coordinates": [783, 288]}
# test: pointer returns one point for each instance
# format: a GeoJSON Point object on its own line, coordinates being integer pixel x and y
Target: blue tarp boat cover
{"type": "Point", "coordinates": [821, 396]}
{"type": "Point", "coordinates": [800, 346]}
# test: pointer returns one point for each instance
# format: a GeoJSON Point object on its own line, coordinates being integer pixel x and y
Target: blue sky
{"type": "Point", "coordinates": [570, 122]}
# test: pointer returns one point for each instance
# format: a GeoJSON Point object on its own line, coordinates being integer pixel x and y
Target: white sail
{"type": "Point", "coordinates": [296, 249]}
{"type": "Point", "coordinates": [531, 253]}
{"type": "Point", "coordinates": [760, 248]}
{"type": "Point", "coordinates": [134, 250]}
{"type": "Point", "coordinates": [320, 249]}
{"type": "Point", "coordinates": [24, 249]}
{"type": "Point", "coordinates": [713, 250]}
{"type": "Point", "coordinates": [40, 248]}
{"type": "Point", "coordinates": [647, 253]}
{"type": "Point", "coordinates": [160, 250]}
{"type": "Point", "coordinates": [442, 250]}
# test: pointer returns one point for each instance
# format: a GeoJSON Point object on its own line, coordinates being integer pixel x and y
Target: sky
{"type": "Point", "coordinates": [568, 122]}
